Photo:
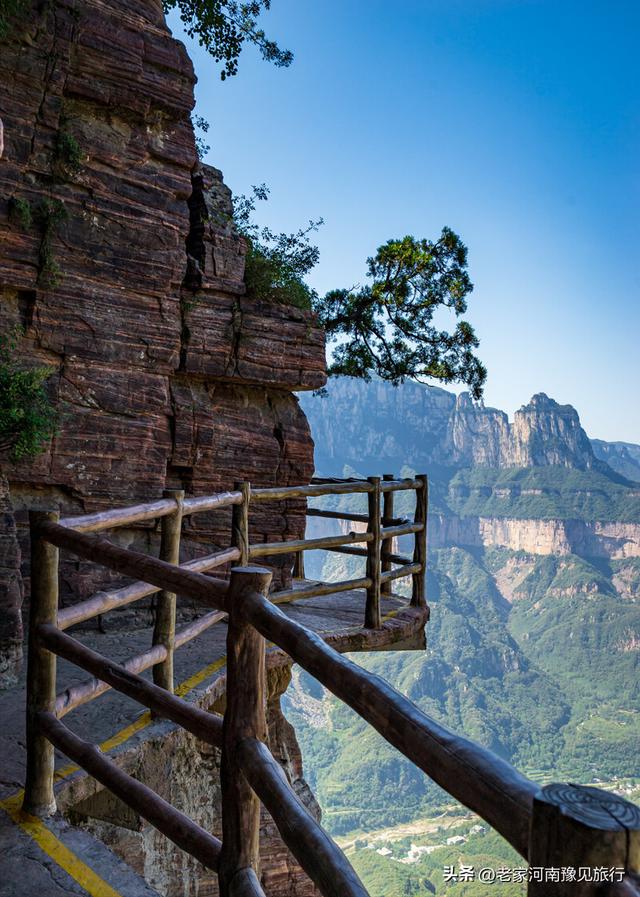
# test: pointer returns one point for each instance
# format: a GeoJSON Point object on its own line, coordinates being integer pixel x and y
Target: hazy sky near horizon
{"type": "Point", "coordinates": [514, 122]}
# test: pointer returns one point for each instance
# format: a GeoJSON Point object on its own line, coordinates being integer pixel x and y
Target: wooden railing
{"type": "Point", "coordinates": [558, 826]}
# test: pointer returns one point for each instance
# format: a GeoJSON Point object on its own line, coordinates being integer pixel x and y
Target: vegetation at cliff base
{"type": "Point", "coordinates": [222, 27]}
{"type": "Point", "coordinates": [510, 674]}
{"type": "Point", "coordinates": [27, 418]}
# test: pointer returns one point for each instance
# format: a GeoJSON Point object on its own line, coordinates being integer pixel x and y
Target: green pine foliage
{"type": "Point", "coordinates": [20, 212]}
{"type": "Point", "coordinates": [50, 214]}
{"type": "Point", "coordinates": [386, 327]}
{"type": "Point", "coordinates": [68, 154]}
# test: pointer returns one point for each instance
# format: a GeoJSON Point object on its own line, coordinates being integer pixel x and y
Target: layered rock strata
{"type": "Point", "coordinates": [543, 434]}
{"type": "Point", "coordinates": [614, 541]}
{"type": "Point", "coordinates": [120, 263]}
{"type": "Point", "coordinates": [10, 592]}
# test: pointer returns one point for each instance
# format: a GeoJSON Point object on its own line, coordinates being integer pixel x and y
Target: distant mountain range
{"type": "Point", "coordinates": [361, 424]}
{"type": "Point", "coordinates": [534, 587]}
{"type": "Point", "coordinates": [537, 484]}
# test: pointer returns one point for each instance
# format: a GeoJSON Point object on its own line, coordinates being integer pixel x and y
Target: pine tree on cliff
{"type": "Point", "coordinates": [386, 327]}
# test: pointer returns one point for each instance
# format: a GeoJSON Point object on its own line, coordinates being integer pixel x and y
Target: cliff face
{"type": "Point", "coordinates": [543, 433]}
{"type": "Point", "coordinates": [415, 424]}
{"type": "Point", "coordinates": [536, 484]}
{"type": "Point", "coordinates": [105, 216]}
{"type": "Point", "coordinates": [624, 457]}
{"type": "Point", "coordinates": [615, 541]}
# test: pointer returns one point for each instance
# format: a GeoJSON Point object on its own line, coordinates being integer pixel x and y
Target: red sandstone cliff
{"type": "Point", "coordinates": [157, 385]}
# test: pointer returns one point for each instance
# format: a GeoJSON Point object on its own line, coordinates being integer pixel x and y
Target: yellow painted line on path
{"type": "Point", "coordinates": [48, 842]}
{"type": "Point", "coordinates": [56, 850]}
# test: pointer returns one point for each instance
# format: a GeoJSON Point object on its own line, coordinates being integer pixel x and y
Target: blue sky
{"type": "Point", "coordinates": [515, 122]}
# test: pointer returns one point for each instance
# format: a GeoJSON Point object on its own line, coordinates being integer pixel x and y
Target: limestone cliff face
{"type": "Point", "coordinates": [536, 536]}
{"type": "Point", "coordinates": [419, 425]}
{"type": "Point", "coordinates": [543, 433]}
{"type": "Point", "coordinates": [128, 282]}
{"type": "Point", "coordinates": [365, 424]}
{"type": "Point", "coordinates": [476, 434]}
{"type": "Point", "coordinates": [374, 426]}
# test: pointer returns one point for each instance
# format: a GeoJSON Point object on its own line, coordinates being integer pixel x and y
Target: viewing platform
{"type": "Point", "coordinates": [52, 855]}
{"type": "Point", "coordinates": [202, 791]}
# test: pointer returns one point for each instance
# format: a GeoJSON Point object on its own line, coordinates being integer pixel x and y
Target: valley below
{"type": "Point", "coordinates": [533, 646]}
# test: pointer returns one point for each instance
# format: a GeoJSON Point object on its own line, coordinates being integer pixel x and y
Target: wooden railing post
{"type": "Point", "coordinates": [244, 716]}
{"type": "Point", "coordinates": [418, 597]}
{"type": "Point", "coordinates": [387, 545]}
{"type": "Point", "coordinates": [582, 829]}
{"type": "Point", "coordinates": [298, 558]}
{"type": "Point", "coordinates": [164, 632]}
{"type": "Point", "coordinates": [240, 523]}
{"type": "Point", "coordinates": [372, 609]}
{"type": "Point", "coordinates": [41, 668]}
{"type": "Point", "coordinates": [298, 565]}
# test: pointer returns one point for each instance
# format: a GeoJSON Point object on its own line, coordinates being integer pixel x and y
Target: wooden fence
{"type": "Point", "coordinates": [559, 826]}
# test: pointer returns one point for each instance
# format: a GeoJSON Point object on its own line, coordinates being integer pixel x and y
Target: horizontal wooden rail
{"type": "Point", "coordinates": [337, 515]}
{"type": "Point", "coordinates": [133, 563]}
{"type": "Point", "coordinates": [200, 503]}
{"type": "Point", "coordinates": [321, 588]}
{"type": "Point", "coordinates": [101, 520]}
{"type": "Point", "coordinates": [473, 775]}
{"type": "Point", "coordinates": [86, 691]}
{"type": "Point", "coordinates": [407, 529]}
{"type": "Point", "coordinates": [116, 517]}
{"type": "Point", "coordinates": [356, 552]}
{"type": "Point", "coordinates": [282, 493]}
{"type": "Point", "coordinates": [356, 518]}
{"type": "Point", "coordinates": [386, 486]}
{"type": "Point", "coordinates": [406, 570]}
{"type": "Point", "coordinates": [319, 856]}
{"type": "Point", "coordinates": [263, 548]}
{"type": "Point", "coordinates": [400, 485]}
{"type": "Point", "coordinates": [399, 559]}
{"type": "Point", "coordinates": [102, 602]}
{"type": "Point", "coordinates": [205, 726]}
{"type": "Point", "coordinates": [198, 626]}
{"type": "Point", "coordinates": [93, 523]}
{"type": "Point", "coordinates": [142, 800]}
{"type": "Point", "coordinates": [83, 692]}
{"type": "Point", "coordinates": [337, 480]}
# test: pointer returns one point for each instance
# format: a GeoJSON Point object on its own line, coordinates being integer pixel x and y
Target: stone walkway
{"type": "Point", "coordinates": [52, 857]}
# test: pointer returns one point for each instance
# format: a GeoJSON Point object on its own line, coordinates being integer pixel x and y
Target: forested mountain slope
{"type": "Point", "coordinates": [534, 587]}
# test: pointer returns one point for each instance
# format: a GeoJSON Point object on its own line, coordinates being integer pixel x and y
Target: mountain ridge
{"type": "Point", "coordinates": [440, 427]}
{"type": "Point", "coordinates": [533, 579]}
